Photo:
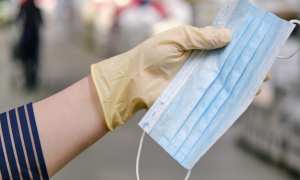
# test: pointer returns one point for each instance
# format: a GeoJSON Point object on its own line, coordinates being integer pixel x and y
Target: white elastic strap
{"type": "Point", "coordinates": [188, 174]}
{"type": "Point", "coordinates": [138, 157]}
{"type": "Point", "coordinates": [294, 21]}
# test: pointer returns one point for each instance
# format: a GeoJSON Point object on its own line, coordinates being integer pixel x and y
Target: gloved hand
{"type": "Point", "coordinates": [133, 80]}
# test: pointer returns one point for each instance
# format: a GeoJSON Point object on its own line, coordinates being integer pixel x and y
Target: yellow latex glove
{"type": "Point", "coordinates": [133, 80]}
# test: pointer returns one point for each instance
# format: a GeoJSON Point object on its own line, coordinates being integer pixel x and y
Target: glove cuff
{"type": "Point", "coordinates": [101, 85]}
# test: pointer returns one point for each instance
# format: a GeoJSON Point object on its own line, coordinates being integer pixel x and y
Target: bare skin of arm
{"type": "Point", "coordinates": [68, 123]}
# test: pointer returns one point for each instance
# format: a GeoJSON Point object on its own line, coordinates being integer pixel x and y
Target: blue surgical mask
{"type": "Point", "coordinates": [214, 88]}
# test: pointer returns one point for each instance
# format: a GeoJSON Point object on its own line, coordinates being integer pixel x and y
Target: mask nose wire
{"type": "Point", "coordinates": [297, 22]}
{"type": "Point", "coordinates": [138, 157]}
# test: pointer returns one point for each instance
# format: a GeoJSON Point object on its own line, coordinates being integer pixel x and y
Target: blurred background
{"type": "Point", "coordinates": [48, 45]}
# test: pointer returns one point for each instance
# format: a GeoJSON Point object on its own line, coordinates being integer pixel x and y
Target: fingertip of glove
{"type": "Point", "coordinates": [226, 35]}
{"type": "Point", "coordinates": [217, 36]}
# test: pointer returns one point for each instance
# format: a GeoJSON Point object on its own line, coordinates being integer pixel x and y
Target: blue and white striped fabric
{"type": "Point", "coordinates": [21, 155]}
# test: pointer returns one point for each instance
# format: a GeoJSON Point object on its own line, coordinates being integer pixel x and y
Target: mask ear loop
{"type": "Point", "coordinates": [138, 157]}
{"type": "Point", "coordinates": [297, 22]}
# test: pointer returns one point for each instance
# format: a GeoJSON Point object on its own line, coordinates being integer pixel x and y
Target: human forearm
{"type": "Point", "coordinates": [68, 123]}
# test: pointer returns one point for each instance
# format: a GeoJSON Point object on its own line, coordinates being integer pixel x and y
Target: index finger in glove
{"type": "Point", "coordinates": [207, 38]}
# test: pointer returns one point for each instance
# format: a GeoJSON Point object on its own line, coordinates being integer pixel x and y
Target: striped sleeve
{"type": "Point", "coordinates": [21, 155]}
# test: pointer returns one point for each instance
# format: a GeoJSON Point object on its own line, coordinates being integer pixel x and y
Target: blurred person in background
{"type": "Point", "coordinates": [28, 46]}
